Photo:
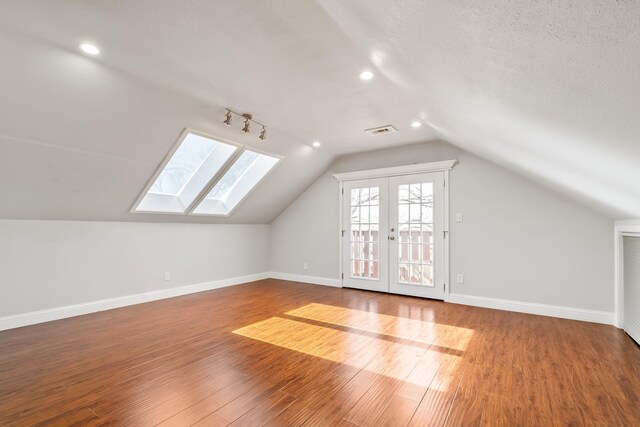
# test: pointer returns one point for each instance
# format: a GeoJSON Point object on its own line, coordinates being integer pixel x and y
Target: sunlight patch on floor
{"type": "Point", "coordinates": [411, 329]}
{"type": "Point", "coordinates": [380, 356]}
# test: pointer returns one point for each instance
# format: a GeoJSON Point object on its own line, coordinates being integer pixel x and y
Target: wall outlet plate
{"type": "Point", "coordinates": [460, 279]}
{"type": "Point", "coordinates": [167, 276]}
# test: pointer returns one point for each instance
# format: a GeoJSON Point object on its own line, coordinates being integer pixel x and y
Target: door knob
{"type": "Point", "coordinates": [392, 238]}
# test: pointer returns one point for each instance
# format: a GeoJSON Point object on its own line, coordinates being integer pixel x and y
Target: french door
{"type": "Point", "coordinates": [393, 235]}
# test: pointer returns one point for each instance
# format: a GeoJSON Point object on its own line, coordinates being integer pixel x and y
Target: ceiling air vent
{"type": "Point", "coordinates": [381, 130]}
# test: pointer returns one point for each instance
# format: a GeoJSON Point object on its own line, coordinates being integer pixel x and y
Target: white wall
{"type": "Point", "coordinates": [49, 264]}
{"type": "Point", "coordinates": [519, 240]}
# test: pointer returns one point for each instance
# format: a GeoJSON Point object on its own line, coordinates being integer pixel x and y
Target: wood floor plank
{"type": "Point", "coordinates": [265, 410]}
{"type": "Point", "coordinates": [436, 403]}
{"type": "Point", "coordinates": [210, 404]}
{"type": "Point", "coordinates": [398, 412]}
{"type": "Point", "coordinates": [281, 353]}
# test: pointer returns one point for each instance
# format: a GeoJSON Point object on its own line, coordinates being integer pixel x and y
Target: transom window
{"type": "Point", "coordinates": [204, 176]}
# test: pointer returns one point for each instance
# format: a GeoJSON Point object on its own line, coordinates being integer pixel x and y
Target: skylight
{"type": "Point", "coordinates": [199, 165]}
{"type": "Point", "coordinates": [250, 168]}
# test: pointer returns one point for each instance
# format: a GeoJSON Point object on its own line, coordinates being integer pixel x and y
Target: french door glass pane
{"type": "Point", "coordinates": [415, 234]}
{"type": "Point", "coordinates": [364, 231]}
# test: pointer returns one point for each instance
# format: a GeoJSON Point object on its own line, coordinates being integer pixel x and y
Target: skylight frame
{"type": "Point", "coordinates": [239, 149]}
{"type": "Point", "coordinates": [222, 172]}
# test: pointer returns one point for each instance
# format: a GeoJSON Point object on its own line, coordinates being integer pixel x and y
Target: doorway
{"type": "Point", "coordinates": [394, 235]}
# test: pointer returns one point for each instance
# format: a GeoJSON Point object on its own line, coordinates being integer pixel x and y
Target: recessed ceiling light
{"type": "Point", "coordinates": [316, 144]}
{"type": "Point", "coordinates": [416, 124]}
{"type": "Point", "coordinates": [89, 49]}
{"type": "Point", "coordinates": [366, 75]}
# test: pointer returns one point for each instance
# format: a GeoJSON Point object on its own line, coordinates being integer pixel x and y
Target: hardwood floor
{"type": "Point", "coordinates": [283, 354]}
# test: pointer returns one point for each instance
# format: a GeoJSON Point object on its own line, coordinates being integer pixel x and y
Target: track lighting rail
{"type": "Point", "coordinates": [248, 119]}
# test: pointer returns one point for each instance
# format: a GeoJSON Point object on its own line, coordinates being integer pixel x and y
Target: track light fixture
{"type": "Point", "coordinates": [248, 118]}
{"type": "Point", "coordinates": [227, 118]}
{"type": "Point", "coordinates": [247, 123]}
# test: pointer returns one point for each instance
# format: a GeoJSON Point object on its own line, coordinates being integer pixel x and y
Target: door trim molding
{"type": "Point", "coordinates": [621, 229]}
{"type": "Point", "coordinates": [447, 286]}
{"type": "Point", "coordinates": [445, 165]}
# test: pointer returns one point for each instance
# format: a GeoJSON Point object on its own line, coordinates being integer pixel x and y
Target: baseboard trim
{"type": "Point", "coordinates": [41, 316]}
{"type": "Point", "coordinates": [534, 308]}
{"type": "Point", "coordinates": [306, 279]}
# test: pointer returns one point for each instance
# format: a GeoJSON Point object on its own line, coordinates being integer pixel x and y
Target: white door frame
{"type": "Point", "coordinates": [621, 229]}
{"type": "Point", "coordinates": [441, 166]}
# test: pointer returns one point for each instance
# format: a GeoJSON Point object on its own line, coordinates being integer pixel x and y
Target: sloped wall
{"type": "Point", "coordinates": [519, 241]}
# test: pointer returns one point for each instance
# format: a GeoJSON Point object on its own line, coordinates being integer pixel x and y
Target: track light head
{"type": "Point", "coordinates": [227, 118]}
{"type": "Point", "coordinates": [263, 133]}
{"type": "Point", "coordinates": [247, 122]}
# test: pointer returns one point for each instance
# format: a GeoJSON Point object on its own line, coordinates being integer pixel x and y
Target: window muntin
{"type": "Point", "coordinates": [246, 172]}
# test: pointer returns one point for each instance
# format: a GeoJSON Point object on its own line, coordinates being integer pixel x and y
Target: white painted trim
{"type": "Point", "coordinates": [306, 279]}
{"type": "Point", "coordinates": [446, 273]}
{"type": "Point", "coordinates": [534, 308]}
{"type": "Point", "coordinates": [41, 316]}
{"type": "Point", "coordinates": [627, 222]}
{"type": "Point", "coordinates": [621, 228]}
{"type": "Point", "coordinates": [340, 236]}
{"type": "Point", "coordinates": [444, 165]}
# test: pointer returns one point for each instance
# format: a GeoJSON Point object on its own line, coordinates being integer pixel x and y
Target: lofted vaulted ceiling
{"type": "Point", "coordinates": [548, 89]}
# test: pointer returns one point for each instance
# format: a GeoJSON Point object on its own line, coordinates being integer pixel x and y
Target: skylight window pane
{"type": "Point", "coordinates": [236, 183]}
{"type": "Point", "coordinates": [183, 164]}
{"type": "Point", "coordinates": [225, 185]}
{"type": "Point", "coordinates": [196, 161]}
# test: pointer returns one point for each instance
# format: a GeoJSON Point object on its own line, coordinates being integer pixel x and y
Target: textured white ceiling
{"type": "Point", "coordinates": [548, 89]}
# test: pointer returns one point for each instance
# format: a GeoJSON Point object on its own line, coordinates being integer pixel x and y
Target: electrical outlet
{"type": "Point", "coordinates": [305, 266]}
{"type": "Point", "coordinates": [167, 276]}
{"type": "Point", "coordinates": [460, 278]}
{"type": "Point", "coordinates": [459, 217]}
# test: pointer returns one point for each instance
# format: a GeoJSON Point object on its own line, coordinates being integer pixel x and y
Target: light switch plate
{"type": "Point", "coordinates": [459, 217]}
